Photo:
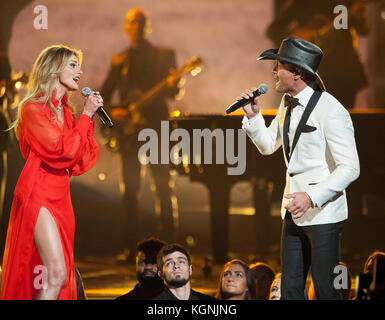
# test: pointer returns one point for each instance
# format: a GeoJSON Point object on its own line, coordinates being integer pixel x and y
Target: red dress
{"type": "Point", "coordinates": [53, 153]}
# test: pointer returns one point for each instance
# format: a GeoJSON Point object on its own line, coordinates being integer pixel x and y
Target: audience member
{"type": "Point", "coordinates": [368, 267]}
{"type": "Point", "coordinates": [371, 283]}
{"type": "Point", "coordinates": [81, 295]}
{"type": "Point", "coordinates": [263, 278]}
{"type": "Point", "coordinates": [149, 284]}
{"type": "Point", "coordinates": [175, 269]}
{"type": "Point", "coordinates": [236, 282]}
{"type": "Point", "coordinates": [275, 290]}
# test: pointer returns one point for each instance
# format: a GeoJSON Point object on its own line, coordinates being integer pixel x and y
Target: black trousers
{"type": "Point", "coordinates": [316, 246]}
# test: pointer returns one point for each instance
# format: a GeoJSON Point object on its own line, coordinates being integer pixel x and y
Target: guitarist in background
{"type": "Point", "coordinates": [342, 68]}
{"type": "Point", "coordinates": [133, 72]}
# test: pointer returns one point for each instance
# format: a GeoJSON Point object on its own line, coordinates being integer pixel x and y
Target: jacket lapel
{"type": "Point", "coordinates": [305, 116]}
{"type": "Point", "coordinates": [286, 125]}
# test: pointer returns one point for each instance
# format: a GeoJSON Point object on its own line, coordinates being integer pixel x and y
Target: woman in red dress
{"type": "Point", "coordinates": [38, 259]}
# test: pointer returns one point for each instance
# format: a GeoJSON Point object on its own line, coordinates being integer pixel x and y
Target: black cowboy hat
{"type": "Point", "coordinates": [298, 52]}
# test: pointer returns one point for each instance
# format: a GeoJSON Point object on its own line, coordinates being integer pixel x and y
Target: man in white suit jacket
{"type": "Point", "coordinates": [320, 153]}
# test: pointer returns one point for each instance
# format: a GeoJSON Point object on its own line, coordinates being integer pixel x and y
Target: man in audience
{"type": "Point", "coordinates": [149, 284]}
{"type": "Point", "coordinates": [263, 278]}
{"type": "Point", "coordinates": [175, 269]}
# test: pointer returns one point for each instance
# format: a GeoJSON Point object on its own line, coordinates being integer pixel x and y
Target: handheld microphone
{"type": "Point", "coordinates": [100, 111]}
{"type": "Point", "coordinates": [263, 88]}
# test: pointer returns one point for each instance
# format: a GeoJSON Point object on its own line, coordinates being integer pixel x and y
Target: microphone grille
{"type": "Point", "coordinates": [263, 88]}
{"type": "Point", "coordinates": [86, 91]}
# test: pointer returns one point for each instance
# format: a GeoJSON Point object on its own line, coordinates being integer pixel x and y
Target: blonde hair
{"type": "Point", "coordinates": [44, 76]}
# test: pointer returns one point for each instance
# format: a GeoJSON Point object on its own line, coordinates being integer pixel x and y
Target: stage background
{"type": "Point", "coordinates": [227, 34]}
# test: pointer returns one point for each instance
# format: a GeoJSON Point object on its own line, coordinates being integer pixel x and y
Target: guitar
{"type": "Point", "coordinates": [321, 30]}
{"type": "Point", "coordinates": [128, 118]}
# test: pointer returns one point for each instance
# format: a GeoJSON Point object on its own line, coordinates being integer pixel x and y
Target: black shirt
{"type": "Point", "coordinates": [194, 295]}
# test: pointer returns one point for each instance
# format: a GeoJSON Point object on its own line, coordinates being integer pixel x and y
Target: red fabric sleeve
{"type": "Point", "coordinates": [57, 148]}
{"type": "Point", "coordinates": [90, 155]}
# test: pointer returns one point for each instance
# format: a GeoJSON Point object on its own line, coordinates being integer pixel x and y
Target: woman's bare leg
{"type": "Point", "coordinates": [49, 246]}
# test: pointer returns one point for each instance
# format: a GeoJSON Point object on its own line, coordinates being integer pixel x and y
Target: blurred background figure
{"type": "Point", "coordinates": [236, 282]}
{"type": "Point", "coordinates": [275, 290]}
{"type": "Point", "coordinates": [263, 278]}
{"type": "Point", "coordinates": [132, 74]}
{"type": "Point", "coordinates": [369, 263]}
{"type": "Point", "coordinates": [149, 284]}
{"type": "Point", "coordinates": [342, 68]}
{"type": "Point", "coordinates": [207, 267]}
{"type": "Point", "coordinates": [370, 285]}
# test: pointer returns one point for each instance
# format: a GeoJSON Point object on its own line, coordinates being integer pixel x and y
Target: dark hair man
{"type": "Point", "coordinates": [175, 269]}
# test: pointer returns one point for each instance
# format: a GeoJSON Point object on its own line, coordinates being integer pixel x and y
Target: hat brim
{"type": "Point", "coordinates": [272, 54]}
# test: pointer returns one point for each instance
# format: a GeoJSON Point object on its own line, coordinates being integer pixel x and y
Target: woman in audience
{"type": "Point", "coordinates": [236, 282]}
{"type": "Point", "coordinates": [275, 290]}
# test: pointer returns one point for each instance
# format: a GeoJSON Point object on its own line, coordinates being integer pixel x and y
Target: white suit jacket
{"type": "Point", "coordinates": [323, 163]}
